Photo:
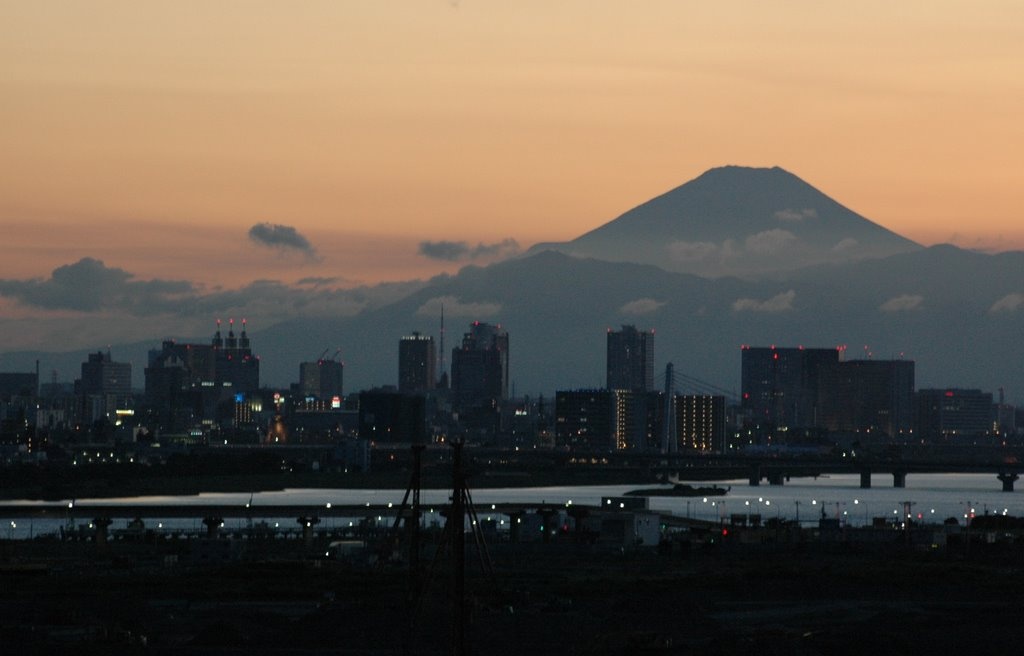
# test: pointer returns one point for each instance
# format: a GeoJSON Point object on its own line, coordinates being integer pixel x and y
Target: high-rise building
{"type": "Point", "coordinates": [236, 366]}
{"type": "Point", "coordinates": [105, 386]}
{"type": "Point", "coordinates": [869, 396]}
{"type": "Point", "coordinates": [389, 417]}
{"type": "Point", "coordinates": [417, 364]}
{"type": "Point", "coordinates": [782, 386]}
{"type": "Point", "coordinates": [954, 412]}
{"type": "Point", "coordinates": [630, 361]}
{"type": "Point", "coordinates": [322, 379]}
{"type": "Point", "coordinates": [607, 420]}
{"type": "Point", "coordinates": [191, 383]}
{"type": "Point", "coordinates": [700, 421]}
{"type": "Point", "coordinates": [480, 367]}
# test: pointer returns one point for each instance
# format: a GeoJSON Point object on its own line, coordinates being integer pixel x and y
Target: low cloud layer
{"type": "Point", "coordinates": [89, 286]}
{"type": "Point", "coordinates": [641, 306]}
{"type": "Point", "coordinates": [770, 242]}
{"type": "Point", "coordinates": [461, 251]}
{"type": "Point", "coordinates": [778, 303]}
{"type": "Point", "coordinates": [904, 303]}
{"type": "Point", "coordinates": [844, 245]}
{"type": "Point", "coordinates": [282, 238]}
{"type": "Point", "coordinates": [453, 307]}
{"type": "Point", "coordinates": [1008, 303]}
{"type": "Point", "coordinates": [767, 242]}
{"type": "Point", "coordinates": [795, 216]}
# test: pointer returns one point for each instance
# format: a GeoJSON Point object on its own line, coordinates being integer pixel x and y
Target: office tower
{"type": "Point", "coordinates": [417, 364]}
{"type": "Point", "coordinates": [389, 417]}
{"type": "Point", "coordinates": [630, 362]}
{"type": "Point", "coordinates": [480, 367]}
{"type": "Point", "coordinates": [871, 396]}
{"type": "Point", "coordinates": [105, 386]}
{"type": "Point", "coordinates": [782, 386]}
{"type": "Point", "coordinates": [953, 413]}
{"type": "Point", "coordinates": [607, 420]}
{"type": "Point", "coordinates": [322, 379]}
{"type": "Point", "coordinates": [236, 366]}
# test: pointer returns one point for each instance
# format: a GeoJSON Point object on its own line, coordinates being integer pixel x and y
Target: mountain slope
{"type": "Point", "coordinates": [738, 221]}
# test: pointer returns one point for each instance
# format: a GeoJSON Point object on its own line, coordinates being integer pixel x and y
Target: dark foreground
{"type": "Point", "coordinates": [60, 598]}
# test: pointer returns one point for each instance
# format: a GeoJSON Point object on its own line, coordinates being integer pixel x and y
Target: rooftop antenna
{"type": "Point", "coordinates": [442, 342]}
{"type": "Point", "coordinates": [669, 443]}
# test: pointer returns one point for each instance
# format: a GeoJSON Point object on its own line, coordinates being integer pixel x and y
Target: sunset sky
{"type": "Point", "coordinates": [155, 136]}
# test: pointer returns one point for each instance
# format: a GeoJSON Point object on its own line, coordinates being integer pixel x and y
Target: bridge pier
{"type": "Point", "coordinates": [776, 478]}
{"type": "Point", "coordinates": [1007, 479]}
{"type": "Point", "coordinates": [755, 475]}
{"type": "Point", "coordinates": [865, 479]}
{"type": "Point", "coordinates": [899, 479]}
{"type": "Point", "coordinates": [515, 522]}
{"type": "Point", "coordinates": [547, 522]}
{"type": "Point", "coordinates": [307, 524]}
{"type": "Point", "coordinates": [101, 524]}
{"type": "Point", "coordinates": [213, 525]}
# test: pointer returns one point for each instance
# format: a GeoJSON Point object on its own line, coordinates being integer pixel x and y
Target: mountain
{"type": "Point", "coordinates": [737, 221]}
{"type": "Point", "coordinates": [959, 314]}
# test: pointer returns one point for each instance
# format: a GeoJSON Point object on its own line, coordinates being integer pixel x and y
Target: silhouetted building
{"type": "Point", "coordinates": [480, 367]}
{"type": "Point", "coordinates": [630, 359]}
{"type": "Point", "coordinates": [322, 379]}
{"type": "Point", "coordinates": [607, 420]}
{"type": "Point", "coordinates": [782, 387]}
{"type": "Point", "coordinates": [104, 387]}
{"type": "Point", "coordinates": [869, 396]}
{"type": "Point", "coordinates": [417, 363]}
{"type": "Point", "coordinates": [236, 366]}
{"type": "Point", "coordinates": [954, 412]}
{"type": "Point", "coordinates": [189, 384]}
{"type": "Point", "coordinates": [389, 417]}
{"type": "Point", "coordinates": [700, 421]}
{"type": "Point", "coordinates": [18, 385]}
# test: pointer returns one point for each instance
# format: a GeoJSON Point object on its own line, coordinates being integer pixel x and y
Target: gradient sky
{"type": "Point", "coordinates": [154, 135]}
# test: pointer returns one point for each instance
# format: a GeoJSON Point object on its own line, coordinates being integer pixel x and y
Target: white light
{"type": "Point", "coordinates": [328, 504]}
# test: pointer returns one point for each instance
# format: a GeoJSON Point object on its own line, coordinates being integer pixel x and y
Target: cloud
{"type": "Point", "coordinates": [904, 303]}
{"type": "Point", "coordinates": [1008, 303]}
{"type": "Point", "coordinates": [89, 285]}
{"type": "Point", "coordinates": [795, 216]}
{"type": "Point", "coordinates": [770, 241]}
{"type": "Point", "coordinates": [456, 308]}
{"type": "Point", "coordinates": [641, 306]}
{"type": "Point", "coordinates": [692, 251]}
{"type": "Point", "coordinates": [458, 251]}
{"type": "Point", "coordinates": [281, 237]}
{"type": "Point", "coordinates": [845, 244]}
{"type": "Point", "coordinates": [778, 303]}
{"type": "Point", "coordinates": [319, 281]}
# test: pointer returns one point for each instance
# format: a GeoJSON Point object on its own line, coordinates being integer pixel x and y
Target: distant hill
{"type": "Point", "coordinates": [737, 221]}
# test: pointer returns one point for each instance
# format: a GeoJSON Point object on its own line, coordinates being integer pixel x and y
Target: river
{"type": "Point", "coordinates": [931, 498]}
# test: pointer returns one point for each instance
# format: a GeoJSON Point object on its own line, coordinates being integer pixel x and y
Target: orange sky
{"type": "Point", "coordinates": [153, 135]}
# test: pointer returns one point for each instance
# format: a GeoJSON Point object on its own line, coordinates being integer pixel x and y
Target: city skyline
{"type": "Point", "coordinates": [164, 167]}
